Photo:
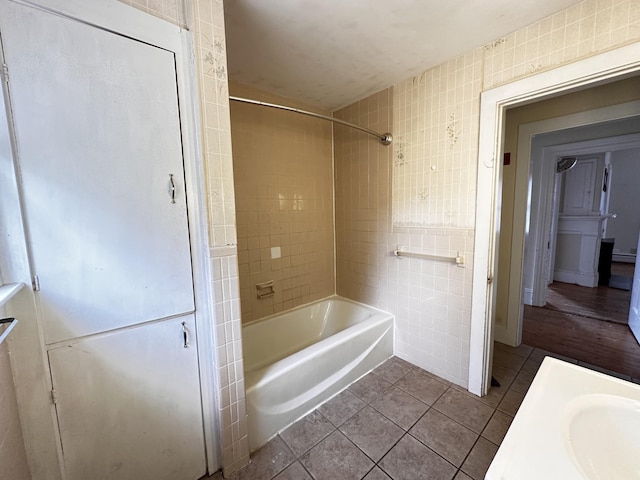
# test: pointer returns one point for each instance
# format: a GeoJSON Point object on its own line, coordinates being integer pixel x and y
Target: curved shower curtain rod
{"type": "Point", "coordinates": [385, 138]}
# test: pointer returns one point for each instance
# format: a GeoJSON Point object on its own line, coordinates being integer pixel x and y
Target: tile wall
{"type": "Point", "coordinates": [173, 11]}
{"type": "Point", "coordinates": [432, 196]}
{"type": "Point", "coordinates": [205, 18]}
{"type": "Point", "coordinates": [211, 62]}
{"type": "Point", "coordinates": [431, 300]}
{"type": "Point", "coordinates": [283, 165]}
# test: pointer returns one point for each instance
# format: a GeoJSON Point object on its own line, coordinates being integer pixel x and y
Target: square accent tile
{"type": "Point", "coordinates": [478, 461]}
{"type": "Point", "coordinates": [337, 458]}
{"type": "Point", "coordinates": [411, 460]}
{"type": "Point", "coordinates": [464, 409]}
{"type": "Point", "coordinates": [400, 407]}
{"type": "Point", "coordinates": [497, 427]}
{"type": "Point", "coordinates": [266, 462]}
{"type": "Point", "coordinates": [369, 387]}
{"type": "Point", "coordinates": [522, 383]}
{"type": "Point", "coordinates": [308, 431]}
{"type": "Point", "coordinates": [462, 476]}
{"type": "Point", "coordinates": [376, 474]}
{"type": "Point", "coordinates": [511, 402]}
{"type": "Point", "coordinates": [393, 369]}
{"type": "Point", "coordinates": [295, 471]}
{"type": "Point", "coordinates": [341, 407]}
{"type": "Point", "coordinates": [444, 436]}
{"type": "Point", "coordinates": [372, 432]}
{"type": "Point", "coordinates": [422, 386]}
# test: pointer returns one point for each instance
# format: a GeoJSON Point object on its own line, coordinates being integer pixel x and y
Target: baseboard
{"type": "Point", "coordinates": [624, 257]}
{"type": "Point", "coordinates": [527, 296]}
{"type": "Point", "coordinates": [584, 280]}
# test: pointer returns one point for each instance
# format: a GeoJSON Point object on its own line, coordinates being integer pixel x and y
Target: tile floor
{"type": "Point", "coordinates": [400, 422]}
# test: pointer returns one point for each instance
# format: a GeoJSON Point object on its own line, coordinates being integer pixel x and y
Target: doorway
{"type": "Point", "coordinates": [568, 219]}
{"type": "Point", "coordinates": [596, 70]}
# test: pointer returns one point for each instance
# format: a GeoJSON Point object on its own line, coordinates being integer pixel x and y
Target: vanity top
{"type": "Point", "coordinates": [574, 423]}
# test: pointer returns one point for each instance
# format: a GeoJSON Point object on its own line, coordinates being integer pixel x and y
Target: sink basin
{"type": "Point", "coordinates": [573, 424]}
{"type": "Point", "coordinates": [602, 434]}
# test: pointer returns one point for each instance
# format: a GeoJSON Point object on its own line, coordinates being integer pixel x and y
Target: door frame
{"type": "Point", "coordinates": [531, 173]}
{"type": "Point", "coordinates": [598, 69]}
{"type": "Point", "coordinates": [548, 179]}
{"type": "Point", "coordinates": [44, 457]}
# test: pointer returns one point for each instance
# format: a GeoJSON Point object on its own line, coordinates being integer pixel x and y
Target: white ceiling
{"type": "Point", "coordinates": [330, 53]}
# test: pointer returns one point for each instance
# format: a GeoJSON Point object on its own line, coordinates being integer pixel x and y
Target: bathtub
{"type": "Point", "coordinates": [297, 360]}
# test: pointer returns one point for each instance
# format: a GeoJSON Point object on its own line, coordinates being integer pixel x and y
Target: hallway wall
{"type": "Point", "coordinates": [625, 182]}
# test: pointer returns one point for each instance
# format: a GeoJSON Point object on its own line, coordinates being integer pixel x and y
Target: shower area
{"type": "Point", "coordinates": [286, 187]}
{"type": "Point", "coordinates": [312, 197]}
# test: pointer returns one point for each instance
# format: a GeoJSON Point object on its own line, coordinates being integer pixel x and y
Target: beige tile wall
{"type": "Point", "coordinates": [205, 18]}
{"type": "Point", "coordinates": [435, 124]}
{"type": "Point", "coordinates": [429, 299]}
{"type": "Point", "coordinates": [173, 11]}
{"type": "Point", "coordinates": [211, 61]}
{"type": "Point", "coordinates": [13, 459]}
{"type": "Point", "coordinates": [284, 200]}
{"type": "Point", "coordinates": [436, 120]}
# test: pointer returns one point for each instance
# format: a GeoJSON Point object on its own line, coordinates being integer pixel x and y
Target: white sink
{"type": "Point", "coordinates": [573, 423]}
{"type": "Point", "coordinates": [602, 434]}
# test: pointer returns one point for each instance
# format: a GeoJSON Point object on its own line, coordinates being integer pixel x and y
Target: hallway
{"type": "Point", "coordinates": [588, 324]}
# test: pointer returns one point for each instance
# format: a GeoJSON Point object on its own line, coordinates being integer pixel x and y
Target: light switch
{"type": "Point", "coordinates": [275, 253]}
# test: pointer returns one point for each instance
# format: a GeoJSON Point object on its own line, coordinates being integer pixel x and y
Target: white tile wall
{"type": "Point", "coordinates": [435, 124]}
{"type": "Point", "coordinates": [428, 178]}
{"type": "Point", "coordinates": [211, 61]}
{"type": "Point", "coordinates": [171, 10]}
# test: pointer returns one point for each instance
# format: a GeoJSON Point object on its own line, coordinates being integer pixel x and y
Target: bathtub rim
{"type": "Point", "coordinates": [333, 296]}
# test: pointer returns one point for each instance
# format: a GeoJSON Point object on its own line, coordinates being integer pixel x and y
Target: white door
{"type": "Point", "coordinates": [100, 156]}
{"type": "Point", "coordinates": [634, 311]}
{"type": "Point", "coordinates": [98, 129]}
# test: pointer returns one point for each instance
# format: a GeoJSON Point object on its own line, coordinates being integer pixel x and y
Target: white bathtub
{"type": "Point", "coordinates": [299, 359]}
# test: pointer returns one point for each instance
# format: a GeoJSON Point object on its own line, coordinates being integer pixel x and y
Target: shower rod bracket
{"type": "Point", "coordinates": [384, 138]}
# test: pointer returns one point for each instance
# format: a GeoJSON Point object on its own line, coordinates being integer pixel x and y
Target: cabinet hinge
{"type": "Point", "coordinates": [54, 396]}
{"type": "Point", "coordinates": [5, 73]}
{"type": "Point", "coordinates": [35, 283]}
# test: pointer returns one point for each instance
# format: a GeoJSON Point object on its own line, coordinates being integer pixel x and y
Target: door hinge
{"type": "Point", "coordinates": [35, 283]}
{"type": "Point", "coordinates": [5, 73]}
{"type": "Point", "coordinates": [54, 396]}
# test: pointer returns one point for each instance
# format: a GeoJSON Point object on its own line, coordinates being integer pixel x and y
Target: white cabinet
{"type": "Point", "coordinates": [128, 404]}
{"type": "Point", "coordinates": [580, 223]}
{"type": "Point", "coordinates": [100, 151]}
{"type": "Point", "coordinates": [578, 249]}
{"type": "Point", "coordinates": [579, 188]}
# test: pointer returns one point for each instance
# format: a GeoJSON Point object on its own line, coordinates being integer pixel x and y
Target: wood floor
{"type": "Point", "coordinates": [588, 324]}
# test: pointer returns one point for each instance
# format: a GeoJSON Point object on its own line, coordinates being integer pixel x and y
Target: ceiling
{"type": "Point", "coordinates": [330, 54]}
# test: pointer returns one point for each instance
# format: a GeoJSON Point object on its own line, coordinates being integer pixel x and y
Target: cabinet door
{"type": "Point", "coordinates": [579, 186]}
{"type": "Point", "coordinates": [128, 404]}
{"type": "Point", "coordinates": [100, 154]}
